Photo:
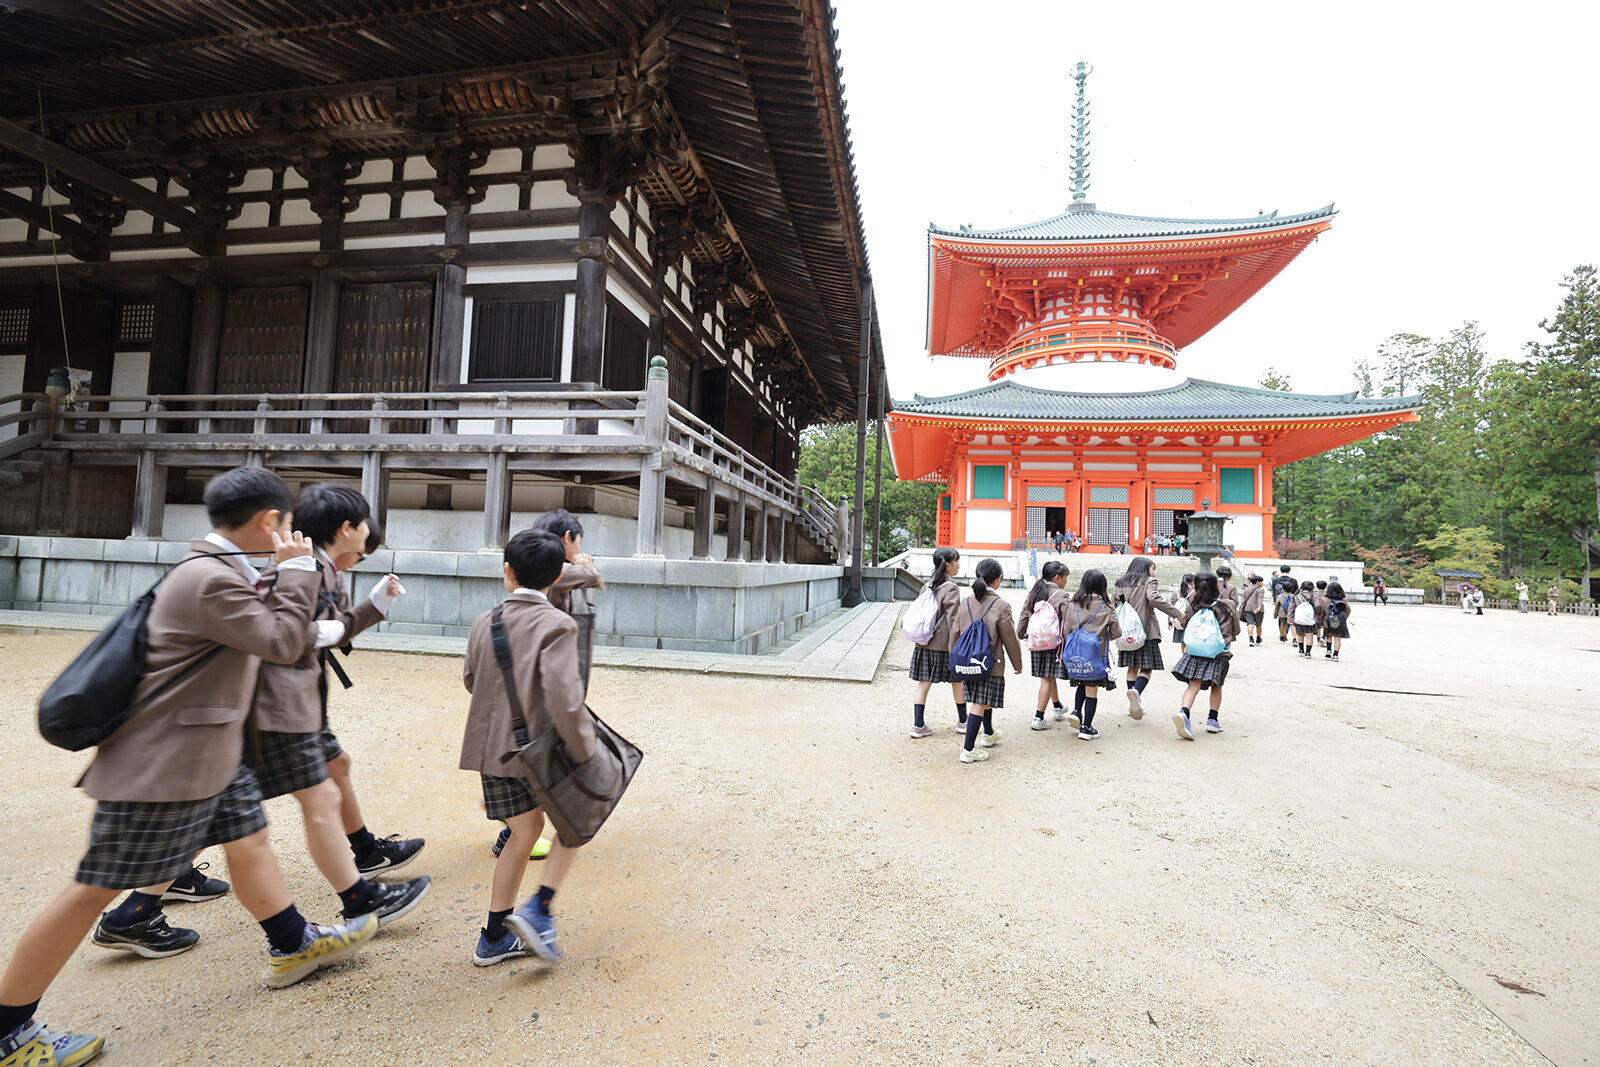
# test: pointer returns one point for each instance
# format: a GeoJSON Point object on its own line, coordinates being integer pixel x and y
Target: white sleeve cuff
{"type": "Point", "coordinates": [299, 563]}
{"type": "Point", "coordinates": [329, 632]}
{"type": "Point", "coordinates": [381, 598]}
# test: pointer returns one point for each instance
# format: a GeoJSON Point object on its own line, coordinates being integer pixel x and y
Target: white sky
{"type": "Point", "coordinates": [1457, 140]}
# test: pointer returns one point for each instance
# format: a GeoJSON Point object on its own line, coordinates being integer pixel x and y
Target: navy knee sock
{"type": "Point", "coordinates": [357, 897]}
{"type": "Point", "coordinates": [961, 713]}
{"type": "Point", "coordinates": [916, 715]}
{"type": "Point", "coordinates": [1090, 704]}
{"type": "Point", "coordinates": [973, 723]}
{"type": "Point", "coordinates": [1140, 682]}
{"type": "Point", "coordinates": [497, 925]}
{"type": "Point", "coordinates": [13, 1016]}
{"type": "Point", "coordinates": [1078, 698]}
{"type": "Point", "coordinates": [286, 931]}
{"type": "Point", "coordinates": [988, 721]}
{"type": "Point", "coordinates": [136, 908]}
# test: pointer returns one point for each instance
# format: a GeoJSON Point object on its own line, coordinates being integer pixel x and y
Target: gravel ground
{"type": "Point", "coordinates": [1339, 877]}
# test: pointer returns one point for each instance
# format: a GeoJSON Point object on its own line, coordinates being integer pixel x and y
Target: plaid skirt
{"type": "Point", "coordinates": [930, 665]}
{"type": "Point", "coordinates": [1107, 682]}
{"type": "Point", "coordinates": [1146, 657]}
{"type": "Point", "coordinates": [505, 797]}
{"type": "Point", "coordinates": [1208, 672]}
{"type": "Point", "coordinates": [988, 691]}
{"type": "Point", "coordinates": [331, 749]}
{"type": "Point", "coordinates": [1337, 631]}
{"type": "Point", "coordinates": [1047, 663]}
{"type": "Point", "coordinates": [135, 843]}
{"type": "Point", "coordinates": [1305, 631]}
{"type": "Point", "coordinates": [288, 763]}
{"type": "Point", "coordinates": [1177, 636]}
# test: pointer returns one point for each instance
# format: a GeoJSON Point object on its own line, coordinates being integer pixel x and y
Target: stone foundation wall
{"type": "Point", "coordinates": [690, 605]}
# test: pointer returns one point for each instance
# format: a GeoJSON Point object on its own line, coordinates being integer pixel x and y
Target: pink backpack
{"type": "Point", "coordinates": [1044, 628]}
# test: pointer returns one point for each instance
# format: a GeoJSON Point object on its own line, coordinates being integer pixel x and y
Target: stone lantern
{"type": "Point", "coordinates": [1205, 534]}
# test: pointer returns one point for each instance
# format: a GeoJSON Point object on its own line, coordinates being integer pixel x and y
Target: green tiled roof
{"type": "Point", "coordinates": [1192, 399]}
{"type": "Point", "coordinates": [1108, 225]}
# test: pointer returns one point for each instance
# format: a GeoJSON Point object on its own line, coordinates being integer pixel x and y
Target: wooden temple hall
{"type": "Point", "coordinates": [485, 258]}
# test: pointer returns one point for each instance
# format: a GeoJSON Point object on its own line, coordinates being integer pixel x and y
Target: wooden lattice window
{"type": "Point", "coordinates": [136, 323]}
{"type": "Point", "coordinates": [626, 343]}
{"type": "Point", "coordinates": [516, 340]}
{"type": "Point", "coordinates": [1238, 485]}
{"type": "Point", "coordinates": [989, 482]}
{"type": "Point", "coordinates": [1108, 526]}
{"type": "Point", "coordinates": [14, 321]}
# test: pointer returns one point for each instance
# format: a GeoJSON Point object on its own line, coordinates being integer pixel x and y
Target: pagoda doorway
{"type": "Point", "coordinates": [1169, 521]}
{"type": "Point", "coordinates": [1042, 522]}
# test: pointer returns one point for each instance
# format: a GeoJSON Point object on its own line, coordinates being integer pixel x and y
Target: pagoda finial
{"type": "Point", "coordinates": [1080, 142]}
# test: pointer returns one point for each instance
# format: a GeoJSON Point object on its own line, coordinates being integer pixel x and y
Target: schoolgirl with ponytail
{"type": "Point", "coordinates": [987, 692]}
{"type": "Point", "coordinates": [1206, 672]}
{"type": "Point", "coordinates": [930, 663]}
{"type": "Point", "coordinates": [1046, 661]}
{"type": "Point", "coordinates": [1089, 609]}
{"type": "Point", "coordinates": [1139, 589]}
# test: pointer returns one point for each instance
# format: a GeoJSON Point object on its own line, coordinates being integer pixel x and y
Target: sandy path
{"type": "Point", "coordinates": [793, 879]}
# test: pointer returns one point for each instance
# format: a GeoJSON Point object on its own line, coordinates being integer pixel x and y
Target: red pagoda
{"type": "Point", "coordinates": [1089, 286]}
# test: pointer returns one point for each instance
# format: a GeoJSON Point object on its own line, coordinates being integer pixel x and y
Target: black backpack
{"type": "Point", "coordinates": [91, 699]}
{"type": "Point", "coordinates": [1338, 612]}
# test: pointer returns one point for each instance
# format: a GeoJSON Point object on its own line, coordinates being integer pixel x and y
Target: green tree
{"type": "Point", "coordinates": [828, 463]}
{"type": "Point", "coordinates": [1470, 549]}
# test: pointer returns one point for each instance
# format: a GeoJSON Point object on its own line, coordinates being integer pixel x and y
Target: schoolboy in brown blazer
{"type": "Point", "coordinates": [169, 781]}
{"type": "Point", "coordinates": [544, 654]}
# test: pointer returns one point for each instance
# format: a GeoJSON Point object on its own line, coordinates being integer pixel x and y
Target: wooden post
{"type": "Point", "coordinates": [207, 334]}
{"type": "Point", "coordinates": [785, 539]}
{"type": "Point", "coordinates": [758, 535]}
{"type": "Point", "coordinates": [497, 486]}
{"type": "Point", "coordinates": [324, 339]}
{"type": "Point", "coordinates": [589, 325]}
{"type": "Point", "coordinates": [375, 487]}
{"type": "Point", "coordinates": [149, 497]}
{"type": "Point", "coordinates": [653, 464]}
{"type": "Point", "coordinates": [705, 521]}
{"type": "Point", "coordinates": [877, 479]}
{"type": "Point", "coordinates": [853, 594]}
{"type": "Point", "coordinates": [736, 508]}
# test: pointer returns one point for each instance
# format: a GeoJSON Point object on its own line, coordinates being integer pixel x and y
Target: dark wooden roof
{"type": "Point", "coordinates": [754, 86]}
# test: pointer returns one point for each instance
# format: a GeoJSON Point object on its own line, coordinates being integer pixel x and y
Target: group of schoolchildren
{"type": "Point", "coordinates": [232, 709]}
{"type": "Point", "coordinates": [965, 641]}
{"type": "Point", "coordinates": [1311, 612]}
{"type": "Point", "coordinates": [1169, 544]}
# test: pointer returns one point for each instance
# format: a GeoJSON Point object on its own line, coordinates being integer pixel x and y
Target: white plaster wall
{"type": "Point", "coordinates": [418, 203]}
{"type": "Point", "coordinates": [525, 233]}
{"type": "Point", "coordinates": [1244, 533]}
{"type": "Point", "coordinates": [551, 156]}
{"type": "Point", "coordinates": [130, 376]}
{"type": "Point", "coordinates": [134, 223]}
{"type": "Point", "coordinates": [255, 181]}
{"type": "Point", "coordinates": [551, 194]}
{"type": "Point", "coordinates": [396, 240]}
{"type": "Point", "coordinates": [499, 198]}
{"type": "Point", "coordinates": [544, 272]}
{"type": "Point", "coordinates": [992, 525]}
{"type": "Point", "coordinates": [373, 207]}
{"type": "Point", "coordinates": [251, 216]}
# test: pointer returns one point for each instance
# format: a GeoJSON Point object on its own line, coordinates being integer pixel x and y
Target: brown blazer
{"type": "Point", "coordinates": [1147, 599]}
{"type": "Point", "coordinates": [1001, 626]}
{"type": "Point", "coordinates": [574, 576]}
{"type": "Point", "coordinates": [1254, 595]}
{"type": "Point", "coordinates": [544, 662]}
{"type": "Point", "coordinates": [1099, 618]}
{"type": "Point", "coordinates": [1229, 592]}
{"type": "Point", "coordinates": [291, 698]}
{"type": "Point", "coordinates": [949, 596]}
{"type": "Point", "coordinates": [186, 736]}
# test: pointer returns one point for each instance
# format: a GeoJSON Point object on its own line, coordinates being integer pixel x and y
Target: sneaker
{"type": "Point", "coordinates": [1181, 721]}
{"type": "Point", "coordinates": [1087, 733]}
{"type": "Point", "coordinates": [489, 953]}
{"type": "Point", "coordinates": [1328, 654]}
{"type": "Point", "coordinates": [1041, 723]}
{"type": "Point", "coordinates": [389, 854]}
{"type": "Point", "coordinates": [195, 886]}
{"type": "Point", "coordinates": [916, 731]}
{"type": "Point", "coordinates": [394, 900]}
{"type": "Point", "coordinates": [322, 945]}
{"type": "Point", "coordinates": [1213, 726]}
{"type": "Point", "coordinates": [1074, 719]}
{"type": "Point", "coordinates": [537, 930]}
{"type": "Point", "coordinates": [1058, 713]}
{"type": "Point", "coordinates": [541, 847]}
{"type": "Point", "coordinates": [1336, 657]}
{"type": "Point", "coordinates": [32, 1045]}
{"type": "Point", "coordinates": [989, 740]}
{"type": "Point", "coordinates": [153, 939]}
{"type": "Point", "coordinates": [1135, 705]}
{"type": "Point", "coordinates": [974, 755]}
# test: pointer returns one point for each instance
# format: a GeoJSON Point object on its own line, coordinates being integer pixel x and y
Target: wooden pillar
{"type": "Point", "coordinates": [149, 497]}
{"type": "Point", "coordinates": [449, 324]}
{"type": "Point", "coordinates": [785, 538]}
{"type": "Point", "coordinates": [207, 334]}
{"type": "Point", "coordinates": [877, 479]}
{"type": "Point", "coordinates": [589, 325]}
{"type": "Point", "coordinates": [323, 343]}
{"type": "Point", "coordinates": [853, 594]}
{"type": "Point", "coordinates": [653, 464]}
{"type": "Point", "coordinates": [705, 521]}
{"type": "Point", "coordinates": [736, 508]}
{"type": "Point", "coordinates": [375, 487]}
{"type": "Point", "coordinates": [497, 486]}
{"type": "Point", "coordinates": [758, 536]}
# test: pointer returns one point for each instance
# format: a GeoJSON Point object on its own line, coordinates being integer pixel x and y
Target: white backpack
{"type": "Point", "coordinates": [922, 618]}
{"type": "Point", "coordinates": [1133, 636]}
{"type": "Point", "coordinates": [1044, 628]}
{"type": "Point", "coordinates": [1305, 614]}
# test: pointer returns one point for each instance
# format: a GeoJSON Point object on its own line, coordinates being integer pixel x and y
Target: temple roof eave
{"type": "Point", "coordinates": [1108, 227]}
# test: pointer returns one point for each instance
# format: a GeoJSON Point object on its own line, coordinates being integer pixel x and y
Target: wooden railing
{"type": "Point", "coordinates": [25, 428]}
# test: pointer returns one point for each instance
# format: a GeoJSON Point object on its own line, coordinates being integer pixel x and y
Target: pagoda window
{"type": "Point", "coordinates": [1238, 485]}
{"type": "Point", "coordinates": [517, 340]}
{"type": "Point", "coordinates": [989, 482]}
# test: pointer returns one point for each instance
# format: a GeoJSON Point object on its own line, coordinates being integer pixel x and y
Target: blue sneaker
{"type": "Point", "coordinates": [537, 930]}
{"type": "Point", "coordinates": [489, 953]}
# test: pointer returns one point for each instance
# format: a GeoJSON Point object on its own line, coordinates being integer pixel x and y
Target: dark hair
{"type": "Point", "coordinates": [1205, 590]}
{"type": "Point", "coordinates": [1291, 586]}
{"type": "Point", "coordinates": [234, 497]}
{"type": "Point", "coordinates": [1255, 579]}
{"type": "Point", "coordinates": [1335, 591]}
{"type": "Point", "coordinates": [374, 537]}
{"type": "Point", "coordinates": [942, 558]}
{"type": "Point", "coordinates": [1224, 572]}
{"type": "Point", "coordinates": [559, 522]}
{"type": "Point", "coordinates": [988, 574]}
{"type": "Point", "coordinates": [536, 558]}
{"type": "Point", "coordinates": [1186, 585]}
{"type": "Point", "coordinates": [1093, 583]}
{"type": "Point", "coordinates": [1284, 569]}
{"type": "Point", "coordinates": [1139, 568]}
{"type": "Point", "coordinates": [1321, 584]}
{"type": "Point", "coordinates": [325, 507]}
{"type": "Point", "coordinates": [1044, 586]}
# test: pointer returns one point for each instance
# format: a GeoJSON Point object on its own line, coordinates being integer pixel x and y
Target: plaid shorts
{"type": "Point", "coordinates": [505, 797]}
{"type": "Point", "coordinates": [1147, 657]}
{"type": "Point", "coordinates": [986, 691]}
{"type": "Point", "coordinates": [330, 746]}
{"type": "Point", "coordinates": [1047, 663]}
{"type": "Point", "coordinates": [287, 763]}
{"type": "Point", "coordinates": [930, 665]}
{"type": "Point", "coordinates": [134, 843]}
{"type": "Point", "coordinates": [1208, 672]}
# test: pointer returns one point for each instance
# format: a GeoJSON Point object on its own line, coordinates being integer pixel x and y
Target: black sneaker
{"type": "Point", "coordinates": [1087, 733]}
{"type": "Point", "coordinates": [195, 886]}
{"type": "Point", "coordinates": [389, 854]}
{"type": "Point", "coordinates": [393, 900]}
{"type": "Point", "coordinates": [153, 939]}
